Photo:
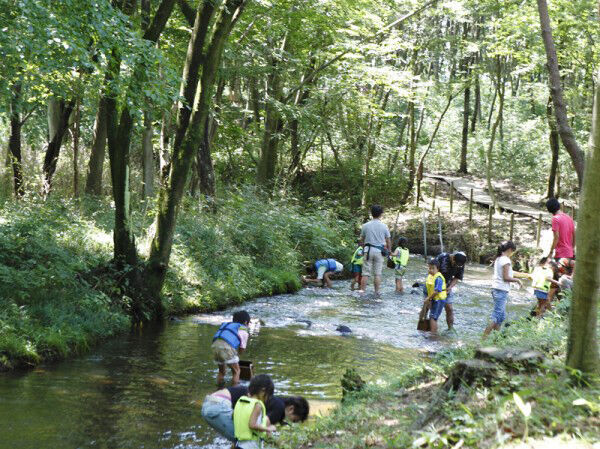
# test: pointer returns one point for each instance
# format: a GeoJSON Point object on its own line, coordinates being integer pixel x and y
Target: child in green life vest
{"type": "Point", "coordinates": [400, 259]}
{"type": "Point", "coordinates": [357, 262]}
{"type": "Point", "coordinates": [542, 280]}
{"type": "Point", "coordinates": [436, 294]}
{"type": "Point", "coordinates": [250, 415]}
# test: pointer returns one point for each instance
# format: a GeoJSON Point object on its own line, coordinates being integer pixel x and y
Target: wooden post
{"type": "Point", "coordinates": [451, 195]}
{"type": "Point", "coordinates": [539, 231]}
{"type": "Point", "coordinates": [471, 206]}
{"type": "Point", "coordinates": [440, 229]}
{"type": "Point", "coordinates": [490, 215]}
{"type": "Point", "coordinates": [424, 236]}
{"type": "Point", "coordinates": [512, 226]}
{"type": "Point", "coordinates": [434, 197]}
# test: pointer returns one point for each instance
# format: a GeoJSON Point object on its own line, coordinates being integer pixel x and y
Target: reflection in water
{"type": "Point", "coordinates": [145, 389]}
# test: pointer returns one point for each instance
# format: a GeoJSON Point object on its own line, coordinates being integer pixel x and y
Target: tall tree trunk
{"type": "Point", "coordinates": [465, 131]}
{"type": "Point", "coordinates": [582, 345]}
{"type": "Point", "coordinates": [477, 104]}
{"type": "Point", "coordinates": [411, 153]}
{"type": "Point", "coordinates": [93, 184]}
{"type": "Point", "coordinates": [57, 130]}
{"type": "Point", "coordinates": [14, 141]}
{"type": "Point", "coordinates": [554, 147]}
{"type": "Point", "coordinates": [147, 157]}
{"type": "Point", "coordinates": [488, 154]}
{"type": "Point", "coordinates": [394, 160]}
{"type": "Point", "coordinates": [183, 149]}
{"type": "Point", "coordinates": [76, 134]}
{"type": "Point", "coordinates": [560, 107]}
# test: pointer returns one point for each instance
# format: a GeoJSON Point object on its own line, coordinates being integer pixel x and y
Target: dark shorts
{"type": "Point", "coordinates": [356, 268]}
{"type": "Point", "coordinates": [437, 305]}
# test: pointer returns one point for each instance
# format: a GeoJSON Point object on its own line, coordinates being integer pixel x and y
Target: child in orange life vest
{"type": "Point", "coordinates": [230, 339]}
{"type": "Point", "coordinates": [436, 294]}
{"type": "Point", "coordinates": [250, 415]}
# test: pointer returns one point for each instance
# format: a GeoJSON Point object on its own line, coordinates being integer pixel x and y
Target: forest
{"type": "Point", "coordinates": [167, 157]}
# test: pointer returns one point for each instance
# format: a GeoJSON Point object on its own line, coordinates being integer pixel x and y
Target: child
{"type": "Point", "coordinates": [324, 268]}
{"type": "Point", "coordinates": [436, 294]}
{"type": "Point", "coordinates": [357, 261]}
{"type": "Point", "coordinates": [250, 414]}
{"type": "Point", "coordinates": [503, 276]}
{"type": "Point", "coordinates": [542, 277]}
{"type": "Point", "coordinates": [230, 339]}
{"type": "Point", "coordinates": [400, 259]}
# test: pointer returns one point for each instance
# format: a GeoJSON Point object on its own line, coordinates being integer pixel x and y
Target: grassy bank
{"type": "Point", "coordinates": [485, 414]}
{"type": "Point", "coordinates": [53, 303]}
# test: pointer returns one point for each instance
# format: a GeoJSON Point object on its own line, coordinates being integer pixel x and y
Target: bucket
{"type": "Point", "coordinates": [246, 370]}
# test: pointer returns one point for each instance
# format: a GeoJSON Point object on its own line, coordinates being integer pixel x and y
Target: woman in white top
{"type": "Point", "coordinates": [503, 276]}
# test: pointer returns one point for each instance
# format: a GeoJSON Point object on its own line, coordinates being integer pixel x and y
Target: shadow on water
{"type": "Point", "coordinates": [144, 390]}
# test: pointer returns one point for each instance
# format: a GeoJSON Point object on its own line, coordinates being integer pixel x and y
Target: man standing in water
{"type": "Point", "coordinates": [452, 267]}
{"type": "Point", "coordinates": [563, 229]}
{"type": "Point", "coordinates": [376, 238]}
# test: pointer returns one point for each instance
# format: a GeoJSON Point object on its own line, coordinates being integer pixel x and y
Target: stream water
{"type": "Point", "coordinates": [144, 389]}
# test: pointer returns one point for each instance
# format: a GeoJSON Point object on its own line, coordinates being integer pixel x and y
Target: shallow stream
{"type": "Point", "coordinates": [144, 389]}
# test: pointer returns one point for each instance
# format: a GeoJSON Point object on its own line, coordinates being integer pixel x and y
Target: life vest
{"type": "Point", "coordinates": [229, 333]}
{"type": "Point", "coordinates": [328, 263]}
{"type": "Point", "coordinates": [539, 277]}
{"type": "Point", "coordinates": [430, 284]}
{"type": "Point", "coordinates": [402, 257]}
{"type": "Point", "coordinates": [241, 417]}
{"type": "Point", "coordinates": [357, 257]}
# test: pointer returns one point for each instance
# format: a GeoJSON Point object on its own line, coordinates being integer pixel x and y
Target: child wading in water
{"type": "Point", "coordinates": [400, 259]}
{"type": "Point", "coordinates": [503, 276]}
{"type": "Point", "coordinates": [230, 339]}
{"type": "Point", "coordinates": [250, 415]}
{"type": "Point", "coordinates": [436, 295]}
{"type": "Point", "coordinates": [357, 263]}
{"type": "Point", "coordinates": [542, 281]}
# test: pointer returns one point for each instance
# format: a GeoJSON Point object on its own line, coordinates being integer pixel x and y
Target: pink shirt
{"type": "Point", "coordinates": [243, 338]}
{"type": "Point", "coordinates": [564, 225]}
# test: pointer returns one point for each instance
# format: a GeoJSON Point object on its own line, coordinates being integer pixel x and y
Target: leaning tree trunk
{"type": "Point", "coordinates": [582, 347]}
{"type": "Point", "coordinates": [147, 157]}
{"type": "Point", "coordinates": [411, 146]}
{"type": "Point", "coordinates": [57, 133]}
{"type": "Point", "coordinates": [93, 184]}
{"type": "Point", "coordinates": [465, 131]}
{"type": "Point", "coordinates": [560, 108]}
{"type": "Point", "coordinates": [14, 141]}
{"type": "Point", "coordinates": [488, 154]}
{"type": "Point", "coordinates": [554, 147]}
{"type": "Point", "coordinates": [76, 134]}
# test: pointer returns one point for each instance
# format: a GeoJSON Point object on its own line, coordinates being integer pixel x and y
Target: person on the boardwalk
{"type": "Point", "coordinates": [542, 281]}
{"type": "Point", "coordinates": [436, 295]}
{"type": "Point", "coordinates": [563, 228]}
{"type": "Point", "coordinates": [356, 266]}
{"type": "Point", "coordinates": [230, 339]}
{"type": "Point", "coordinates": [250, 422]}
{"type": "Point", "coordinates": [323, 268]}
{"type": "Point", "coordinates": [375, 237]}
{"type": "Point", "coordinates": [502, 278]}
{"type": "Point", "coordinates": [400, 259]}
{"type": "Point", "coordinates": [452, 267]}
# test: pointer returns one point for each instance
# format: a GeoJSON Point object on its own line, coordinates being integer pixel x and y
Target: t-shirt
{"type": "Point", "coordinates": [338, 267]}
{"type": "Point", "coordinates": [375, 232]}
{"type": "Point", "coordinates": [448, 271]}
{"type": "Point", "coordinates": [275, 406]}
{"type": "Point", "coordinates": [243, 338]}
{"type": "Point", "coordinates": [564, 225]}
{"type": "Point", "coordinates": [498, 279]}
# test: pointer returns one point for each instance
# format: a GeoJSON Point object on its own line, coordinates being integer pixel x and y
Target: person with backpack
{"type": "Point", "coordinates": [323, 268]}
{"type": "Point", "coordinates": [400, 259]}
{"type": "Point", "coordinates": [376, 239]}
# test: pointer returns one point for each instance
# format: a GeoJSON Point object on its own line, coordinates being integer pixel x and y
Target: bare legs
{"type": "Point", "coordinates": [235, 374]}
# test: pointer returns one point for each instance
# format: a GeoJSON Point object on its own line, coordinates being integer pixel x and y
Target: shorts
{"type": "Point", "coordinates": [450, 297]}
{"type": "Point", "coordinates": [399, 271]}
{"type": "Point", "coordinates": [373, 266]}
{"type": "Point", "coordinates": [223, 353]}
{"type": "Point", "coordinates": [437, 305]}
{"type": "Point", "coordinates": [249, 444]}
{"type": "Point", "coordinates": [500, 300]}
{"type": "Point", "coordinates": [356, 268]}
{"type": "Point", "coordinates": [539, 294]}
{"type": "Point", "coordinates": [321, 272]}
{"type": "Point", "coordinates": [217, 412]}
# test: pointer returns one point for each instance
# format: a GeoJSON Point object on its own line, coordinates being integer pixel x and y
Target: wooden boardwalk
{"type": "Point", "coordinates": [463, 187]}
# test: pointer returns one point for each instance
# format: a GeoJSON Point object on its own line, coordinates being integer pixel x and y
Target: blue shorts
{"type": "Point", "coordinates": [356, 268]}
{"type": "Point", "coordinates": [500, 299]}
{"type": "Point", "coordinates": [540, 294]}
{"type": "Point", "coordinates": [437, 305]}
{"type": "Point", "coordinates": [450, 297]}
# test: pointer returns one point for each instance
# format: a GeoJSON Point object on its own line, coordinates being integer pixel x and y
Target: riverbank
{"type": "Point", "coordinates": [58, 295]}
{"type": "Point", "coordinates": [415, 409]}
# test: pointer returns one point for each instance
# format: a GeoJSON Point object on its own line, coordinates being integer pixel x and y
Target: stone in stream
{"type": "Point", "coordinates": [511, 357]}
{"type": "Point", "coordinates": [307, 322]}
{"type": "Point", "coordinates": [344, 329]}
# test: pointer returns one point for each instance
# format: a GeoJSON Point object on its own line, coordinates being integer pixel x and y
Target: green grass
{"type": "Point", "coordinates": [59, 294]}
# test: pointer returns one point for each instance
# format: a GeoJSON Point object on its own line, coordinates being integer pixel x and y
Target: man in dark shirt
{"type": "Point", "coordinates": [452, 267]}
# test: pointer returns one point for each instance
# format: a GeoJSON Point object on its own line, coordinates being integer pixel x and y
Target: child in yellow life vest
{"type": "Point", "coordinates": [357, 263]}
{"type": "Point", "coordinates": [436, 294]}
{"type": "Point", "coordinates": [542, 280]}
{"type": "Point", "coordinates": [400, 259]}
{"type": "Point", "coordinates": [250, 415]}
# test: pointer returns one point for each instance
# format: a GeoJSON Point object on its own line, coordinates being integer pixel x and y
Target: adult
{"type": "Point", "coordinates": [563, 229]}
{"type": "Point", "coordinates": [452, 267]}
{"type": "Point", "coordinates": [376, 239]}
{"type": "Point", "coordinates": [217, 409]}
{"type": "Point", "coordinates": [324, 268]}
